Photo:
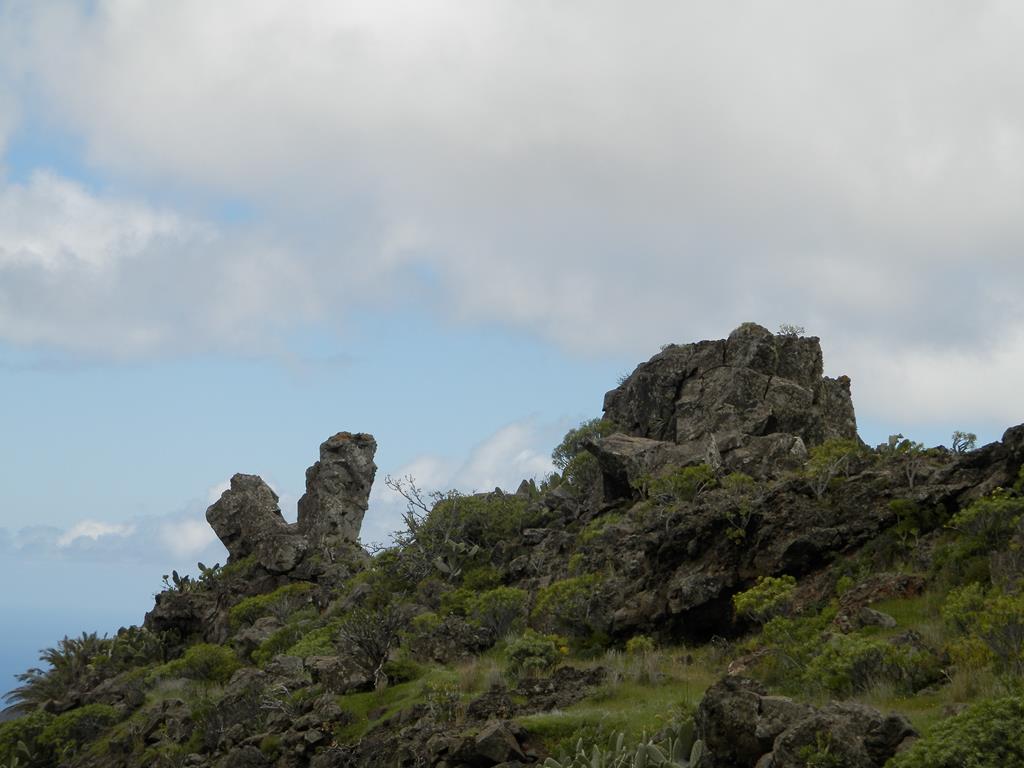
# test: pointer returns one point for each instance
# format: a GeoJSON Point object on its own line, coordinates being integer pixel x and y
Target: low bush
{"type": "Point", "coordinates": [499, 610]}
{"type": "Point", "coordinates": [985, 735]}
{"type": "Point", "coordinates": [769, 597]}
{"type": "Point", "coordinates": [568, 605]}
{"type": "Point", "coordinates": [66, 732]}
{"type": "Point", "coordinates": [205, 663]}
{"type": "Point", "coordinates": [684, 484]}
{"type": "Point", "coordinates": [282, 602]}
{"type": "Point", "coordinates": [533, 654]}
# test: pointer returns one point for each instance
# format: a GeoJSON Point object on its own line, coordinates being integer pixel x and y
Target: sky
{"type": "Point", "coordinates": [229, 230]}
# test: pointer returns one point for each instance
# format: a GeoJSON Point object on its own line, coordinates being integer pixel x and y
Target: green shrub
{"type": "Point", "coordinates": [206, 663]}
{"type": "Point", "coordinates": [457, 601]}
{"type": "Point", "coordinates": [851, 663]}
{"type": "Point", "coordinates": [282, 602]}
{"type": "Point", "coordinates": [271, 746]}
{"type": "Point", "coordinates": [996, 620]}
{"type": "Point", "coordinates": [988, 523]}
{"type": "Point", "coordinates": [567, 605]}
{"type": "Point", "coordinates": [532, 654]}
{"type": "Point", "coordinates": [985, 735]}
{"type": "Point", "coordinates": [571, 446]}
{"type": "Point", "coordinates": [791, 642]}
{"type": "Point", "coordinates": [768, 598]}
{"type": "Point", "coordinates": [962, 606]}
{"type": "Point", "coordinates": [301, 624]}
{"type": "Point", "coordinates": [597, 526]}
{"type": "Point", "coordinates": [318, 642]}
{"type": "Point", "coordinates": [68, 731]}
{"type": "Point", "coordinates": [828, 461]}
{"type": "Point", "coordinates": [639, 645]}
{"type": "Point", "coordinates": [402, 670]}
{"type": "Point", "coordinates": [582, 473]}
{"type": "Point", "coordinates": [684, 484]}
{"type": "Point", "coordinates": [499, 610]}
{"type": "Point", "coordinates": [481, 578]}
{"type": "Point", "coordinates": [478, 523]}
{"type": "Point", "coordinates": [23, 730]}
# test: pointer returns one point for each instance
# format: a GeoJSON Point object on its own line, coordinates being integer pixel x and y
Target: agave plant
{"type": "Point", "coordinates": [679, 751]}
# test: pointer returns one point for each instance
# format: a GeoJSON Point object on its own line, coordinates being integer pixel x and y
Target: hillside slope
{"type": "Point", "coordinates": [721, 574]}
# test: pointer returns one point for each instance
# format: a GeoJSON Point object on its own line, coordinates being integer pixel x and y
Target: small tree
{"type": "Point", "coordinates": [574, 440]}
{"type": "Point", "coordinates": [829, 460]}
{"type": "Point", "coordinates": [907, 454]}
{"type": "Point", "coordinates": [366, 636]}
{"type": "Point", "coordinates": [962, 442]}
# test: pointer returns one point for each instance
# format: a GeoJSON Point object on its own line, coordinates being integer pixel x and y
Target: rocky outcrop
{"type": "Point", "coordinates": [753, 402]}
{"type": "Point", "coordinates": [248, 521]}
{"type": "Point", "coordinates": [743, 727]}
{"type": "Point", "coordinates": [338, 488]}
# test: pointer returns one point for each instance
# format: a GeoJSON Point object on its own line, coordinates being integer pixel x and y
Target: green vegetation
{"type": "Point", "coordinates": [204, 663]}
{"type": "Point", "coordinates": [986, 735]}
{"type": "Point", "coordinates": [280, 603]}
{"type": "Point", "coordinates": [830, 460]}
{"type": "Point", "coordinates": [682, 485]}
{"type": "Point", "coordinates": [578, 467]}
{"type": "Point", "coordinates": [464, 604]}
{"type": "Point", "coordinates": [567, 605]}
{"type": "Point", "coordinates": [499, 610]}
{"type": "Point", "coordinates": [532, 654]}
{"type": "Point", "coordinates": [768, 598]}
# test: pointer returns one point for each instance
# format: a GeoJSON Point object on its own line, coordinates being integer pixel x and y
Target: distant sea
{"type": "Point", "coordinates": [42, 601]}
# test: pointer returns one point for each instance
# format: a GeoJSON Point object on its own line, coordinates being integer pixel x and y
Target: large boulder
{"type": "Point", "coordinates": [338, 488]}
{"type": "Point", "coordinates": [743, 727]}
{"type": "Point", "coordinates": [753, 401]}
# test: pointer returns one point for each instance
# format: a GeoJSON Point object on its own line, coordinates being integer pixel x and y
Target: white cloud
{"type": "Point", "coordinates": [56, 224]}
{"type": "Point", "coordinates": [174, 540]}
{"type": "Point", "coordinates": [607, 176]}
{"type": "Point", "coordinates": [187, 538]}
{"type": "Point", "coordinates": [515, 452]}
{"type": "Point", "coordinates": [93, 529]}
{"type": "Point", "coordinates": [116, 277]}
{"type": "Point", "coordinates": [216, 491]}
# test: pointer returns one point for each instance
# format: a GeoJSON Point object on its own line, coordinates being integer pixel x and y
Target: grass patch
{"type": "Point", "coordinates": [383, 704]}
{"type": "Point", "coordinates": [627, 705]}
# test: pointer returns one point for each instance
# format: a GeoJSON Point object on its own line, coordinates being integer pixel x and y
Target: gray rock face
{"type": "Point", "coordinates": [742, 726]}
{"type": "Point", "coordinates": [752, 401]}
{"type": "Point", "coordinates": [247, 519]}
{"type": "Point", "coordinates": [338, 487]}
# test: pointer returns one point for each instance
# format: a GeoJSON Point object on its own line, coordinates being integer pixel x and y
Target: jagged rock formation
{"type": "Point", "coordinates": [338, 488]}
{"type": "Point", "coordinates": [321, 547]}
{"type": "Point", "coordinates": [753, 402]}
{"type": "Point", "coordinates": [248, 521]}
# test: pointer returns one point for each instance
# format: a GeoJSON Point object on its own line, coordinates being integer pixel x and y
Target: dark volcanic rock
{"type": "Point", "coordinates": [750, 401]}
{"type": "Point", "coordinates": [338, 487]}
{"type": "Point", "coordinates": [743, 727]}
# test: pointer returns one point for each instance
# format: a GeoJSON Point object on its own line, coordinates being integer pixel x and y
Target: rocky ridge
{"type": "Point", "coordinates": [667, 567]}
